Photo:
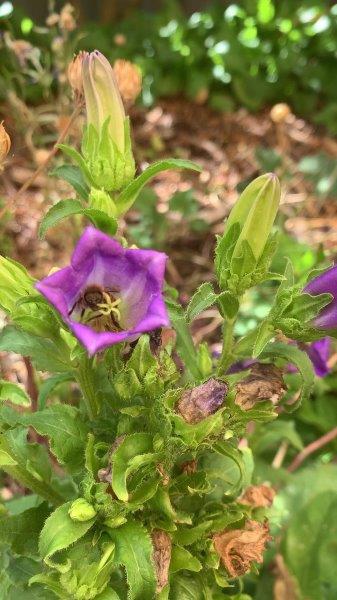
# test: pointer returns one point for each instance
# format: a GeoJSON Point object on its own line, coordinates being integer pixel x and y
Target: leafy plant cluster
{"type": "Point", "coordinates": [251, 53]}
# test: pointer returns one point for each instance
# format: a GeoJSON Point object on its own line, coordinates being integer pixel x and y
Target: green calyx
{"type": "Point", "coordinates": [110, 169]}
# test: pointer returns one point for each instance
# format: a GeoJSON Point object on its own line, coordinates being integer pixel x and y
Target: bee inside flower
{"type": "Point", "coordinates": [108, 294]}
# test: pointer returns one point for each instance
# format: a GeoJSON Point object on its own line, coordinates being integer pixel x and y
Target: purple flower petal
{"type": "Point", "coordinates": [133, 276]}
{"type": "Point", "coordinates": [319, 353]}
{"type": "Point", "coordinates": [325, 284]}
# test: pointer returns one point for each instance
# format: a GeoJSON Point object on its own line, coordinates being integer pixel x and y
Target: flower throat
{"type": "Point", "coordinates": [98, 308]}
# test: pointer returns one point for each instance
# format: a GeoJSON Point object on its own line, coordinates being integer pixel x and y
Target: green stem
{"type": "Point", "coordinates": [86, 380]}
{"type": "Point", "coordinates": [41, 488]}
{"type": "Point", "coordinates": [228, 340]}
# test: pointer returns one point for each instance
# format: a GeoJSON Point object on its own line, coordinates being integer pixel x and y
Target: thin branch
{"type": "Point", "coordinates": [316, 445]}
{"type": "Point", "coordinates": [51, 154]}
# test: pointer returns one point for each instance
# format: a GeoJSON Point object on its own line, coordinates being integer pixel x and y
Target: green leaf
{"type": "Point", "coordinates": [73, 175]}
{"type": "Point", "coordinates": [132, 453]}
{"type": "Point", "coordinates": [66, 431]}
{"type": "Point", "coordinates": [60, 531]}
{"type": "Point", "coordinates": [310, 547]}
{"type": "Point", "coordinates": [203, 298]}
{"type": "Point", "coordinates": [58, 212]}
{"type": "Point", "coordinates": [185, 345]}
{"type": "Point", "coordinates": [78, 159]}
{"type": "Point", "coordinates": [27, 463]}
{"type": "Point", "coordinates": [301, 360]}
{"type": "Point", "coordinates": [46, 355]}
{"type": "Point", "coordinates": [48, 386]}
{"type": "Point", "coordinates": [134, 551]}
{"type": "Point", "coordinates": [182, 559]}
{"type": "Point", "coordinates": [130, 193]}
{"type": "Point", "coordinates": [264, 333]}
{"type": "Point", "coordinates": [14, 393]}
{"type": "Point", "coordinates": [21, 531]}
{"type": "Point", "coordinates": [187, 587]}
{"type": "Point", "coordinates": [228, 305]}
{"type": "Point", "coordinates": [101, 220]}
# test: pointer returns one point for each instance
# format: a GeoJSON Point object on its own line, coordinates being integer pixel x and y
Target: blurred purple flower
{"type": "Point", "coordinates": [318, 353]}
{"type": "Point", "coordinates": [326, 283]}
{"type": "Point", "coordinates": [109, 294]}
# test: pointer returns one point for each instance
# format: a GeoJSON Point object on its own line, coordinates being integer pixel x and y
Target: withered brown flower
{"type": "Point", "coordinates": [238, 548]}
{"type": "Point", "coordinates": [5, 143]}
{"type": "Point", "coordinates": [202, 401]}
{"type": "Point", "coordinates": [264, 382]}
{"type": "Point", "coordinates": [258, 496]}
{"type": "Point", "coordinates": [162, 546]}
{"type": "Point", "coordinates": [129, 79]}
{"type": "Point", "coordinates": [74, 73]}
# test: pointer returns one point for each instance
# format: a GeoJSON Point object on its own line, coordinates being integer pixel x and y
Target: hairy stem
{"type": "Point", "coordinates": [227, 346]}
{"type": "Point", "coordinates": [86, 380]}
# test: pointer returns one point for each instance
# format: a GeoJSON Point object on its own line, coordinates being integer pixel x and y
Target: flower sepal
{"type": "Point", "coordinates": [110, 168]}
{"type": "Point", "coordinates": [102, 201]}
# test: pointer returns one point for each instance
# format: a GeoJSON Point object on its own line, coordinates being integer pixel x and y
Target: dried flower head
{"type": "Point", "coordinates": [265, 382]}
{"type": "Point", "coordinates": [120, 39]}
{"type": "Point", "coordinates": [5, 143]}
{"type": "Point", "coordinates": [280, 112]}
{"type": "Point", "coordinates": [129, 80]}
{"type": "Point", "coordinates": [202, 401]}
{"type": "Point", "coordinates": [258, 496]}
{"type": "Point", "coordinates": [238, 548]}
{"type": "Point", "coordinates": [162, 546]}
{"type": "Point", "coordinates": [74, 73]}
{"type": "Point", "coordinates": [52, 19]}
{"type": "Point", "coordinates": [67, 20]}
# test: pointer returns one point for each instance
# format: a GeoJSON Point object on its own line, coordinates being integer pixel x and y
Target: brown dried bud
{"type": "Point", "coordinates": [258, 496]}
{"type": "Point", "coordinates": [264, 382]}
{"type": "Point", "coordinates": [238, 548]}
{"type": "Point", "coordinates": [280, 112]}
{"type": "Point", "coordinates": [202, 401]}
{"type": "Point", "coordinates": [52, 20]}
{"type": "Point", "coordinates": [5, 143]}
{"type": "Point", "coordinates": [67, 21]}
{"type": "Point", "coordinates": [74, 73]}
{"type": "Point", "coordinates": [129, 79]}
{"type": "Point", "coordinates": [189, 467]}
{"type": "Point", "coordinates": [162, 546]}
{"type": "Point", "coordinates": [120, 39]}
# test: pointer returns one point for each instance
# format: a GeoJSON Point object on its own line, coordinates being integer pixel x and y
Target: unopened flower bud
{"type": "Point", "coordinates": [202, 401]}
{"type": "Point", "coordinates": [107, 143]}
{"type": "Point", "coordinates": [255, 211]}
{"type": "Point", "coordinates": [74, 73]}
{"type": "Point", "coordinates": [280, 112]}
{"type": "Point", "coordinates": [5, 144]}
{"type": "Point", "coordinates": [81, 510]}
{"type": "Point", "coordinates": [129, 80]}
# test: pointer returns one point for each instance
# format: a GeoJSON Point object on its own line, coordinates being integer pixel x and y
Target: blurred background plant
{"type": "Point", "coordinates": [241, 88]}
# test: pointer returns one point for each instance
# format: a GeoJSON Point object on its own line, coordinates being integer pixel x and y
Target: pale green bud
{"type": "Point", "coordinates": [100, 200]}
{"type": "Point", "coordinates": [81, 510]}
{"type": "Point", "coordinates": [107, 143]}
{"type": "Point", "coordinates": [15, 283]}
{"type": "Point", "coordinates": [255, 212]}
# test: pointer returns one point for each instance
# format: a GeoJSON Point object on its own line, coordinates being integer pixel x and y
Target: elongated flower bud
{"type": "Point", "coordinates": [5, 144]}
{"type": "Point", "coordinates": [74, 73]}
{"type": "Point", "coordinates": [256, 212]}
{"type": "Point", "coordinates": [107, 144]}
{"type": "Point", "coordinates": [102, 97]}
